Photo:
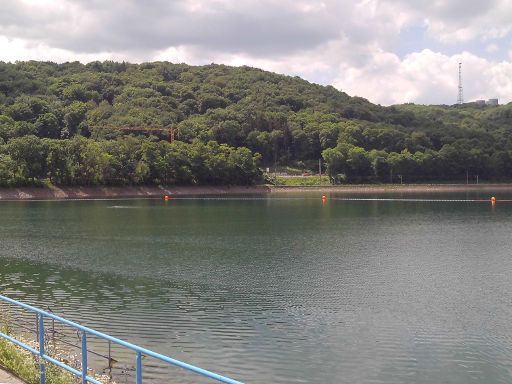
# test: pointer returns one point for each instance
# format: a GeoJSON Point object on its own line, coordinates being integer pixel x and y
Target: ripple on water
{"type": "Point", "coordinates": [280, 291]}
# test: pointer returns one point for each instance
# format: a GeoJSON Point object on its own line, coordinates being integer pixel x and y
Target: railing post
{"type": "Point", "coordinates": [42, 365]}
{"type": "Point", "coordinates": [37, 327]}
{"type": "Point", "coordinates": [53, 333]}
{"type": "Point", "coordinates": [138, 368]}
{"type": "Point", "coordinates": [110, 360]}
{"type": "Point", "coordinates": [84, 357]}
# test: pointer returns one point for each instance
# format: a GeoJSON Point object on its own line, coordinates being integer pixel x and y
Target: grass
{"type": "Point", "coordinates": [302, 181]}
{"type": "Point", "coordinates": [25, 365]}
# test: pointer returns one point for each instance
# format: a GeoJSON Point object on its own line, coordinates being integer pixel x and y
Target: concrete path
{"type": "Point", "coordinates": [6, 378]}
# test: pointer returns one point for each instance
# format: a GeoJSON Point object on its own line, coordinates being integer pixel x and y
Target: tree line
{"type": "Point", "coordinates": [282, 120]}
{"type": "Point", "coordinates": [31, 161]}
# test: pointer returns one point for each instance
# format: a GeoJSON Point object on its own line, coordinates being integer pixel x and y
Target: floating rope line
{"type": "Point", "coordinates": [324, 198]}
{"type": "Point", "coordinates": [406, 200]}
{"type": "Point", "coordinates": [265, 198]}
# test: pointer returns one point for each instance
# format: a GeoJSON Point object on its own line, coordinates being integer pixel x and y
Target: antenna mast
{"type": "Point", "coordinates": [460, 97]}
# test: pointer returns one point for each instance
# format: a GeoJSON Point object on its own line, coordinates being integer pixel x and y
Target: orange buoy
{"type": "Point", "coordinates": [166, 197]}
{"type": "Point", "coordinates": [324, 198]}
{"type": "Point", "coordinates": [493, 200]}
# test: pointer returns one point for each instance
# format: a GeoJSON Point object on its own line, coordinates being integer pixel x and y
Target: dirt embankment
{"type": "Point", "coordinates": [49, 193]}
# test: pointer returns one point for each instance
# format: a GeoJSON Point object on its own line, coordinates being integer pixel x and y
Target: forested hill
{"type": "Point", "coordinates": [84, 124]}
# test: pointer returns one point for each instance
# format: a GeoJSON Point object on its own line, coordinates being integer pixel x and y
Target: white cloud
{"type": "Point", "coordinates": [429, 77]}
{"type": "Point", "coordinates": [350, 44]}
{"type": "Point", "coordinates": [423, 77]}
{"type": "Point", "coordinates": [22, 50]}
{"type": "Point", "coordinates": [459, 20]}
{"type": "Point", "coordinates": [492, 48]}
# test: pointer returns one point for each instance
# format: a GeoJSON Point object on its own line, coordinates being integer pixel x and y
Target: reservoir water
{"type": "Point", "coordinates": [279, 289]}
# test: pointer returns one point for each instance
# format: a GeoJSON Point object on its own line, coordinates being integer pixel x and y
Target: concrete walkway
{"type": "Point", "coordinates": [6, 378]}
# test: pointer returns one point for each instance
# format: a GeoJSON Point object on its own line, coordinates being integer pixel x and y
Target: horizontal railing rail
{"type": "Point", "coordinates": [84, 331]}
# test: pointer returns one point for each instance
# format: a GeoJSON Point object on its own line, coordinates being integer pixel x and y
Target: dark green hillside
{"type": "Point", "coordinates": [62, 122]}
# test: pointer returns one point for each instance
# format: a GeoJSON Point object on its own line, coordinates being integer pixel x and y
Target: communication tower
{"type": "Point", "coordinates": [460, 97]}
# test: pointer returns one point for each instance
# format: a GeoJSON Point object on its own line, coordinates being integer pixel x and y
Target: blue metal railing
{"type": "Point", "coordinates": [84, 331]}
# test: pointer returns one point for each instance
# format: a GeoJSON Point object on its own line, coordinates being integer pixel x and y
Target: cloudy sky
{"type": "Point", "coordinates": [388, 51]}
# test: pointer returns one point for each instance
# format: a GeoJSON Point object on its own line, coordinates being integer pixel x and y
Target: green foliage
{"type": "Point", "coordinates": [302, 181]}
{"type": "Point", "coordinates": [7, 127]}
{"type": "Point", "coordinates": [25, 365]}
{"type": "Point", "coordinates": [285, 120]}
{"type": "Point", "coordinates": [47, 125]}
{"type": "Point", "coordinates": [128, 160]}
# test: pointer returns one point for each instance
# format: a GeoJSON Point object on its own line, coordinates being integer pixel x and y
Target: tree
{"type": "Point", "coordinates": [88, 163]}
{"type": "Point", "coordinates": [381, 169]}
{"type": "Point", "coordinates": [74, 115]}
{"type": "Point", "coordinates": [335, 161]}
{"type": "Point", "coordinates": [30, 154]}
{"type": "Point", "coordinates": [8, 171]}
{"type": "Point", "coordinates": [47, 125]}
{"type": "Point", "coordinates": [359, 164]}
{"type": "Point", "coordinates": [7, 127]}
{"type": "Point", "coordinates": [58, 160]}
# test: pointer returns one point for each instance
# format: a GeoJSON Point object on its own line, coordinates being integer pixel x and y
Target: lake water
{"type": "Point", "coordinates": [280, 289]}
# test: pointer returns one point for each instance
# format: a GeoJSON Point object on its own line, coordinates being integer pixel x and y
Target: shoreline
{"type": "Point", "coordinates": [396, 188]}
{"type": "Point", "coordinates": [100, 192]}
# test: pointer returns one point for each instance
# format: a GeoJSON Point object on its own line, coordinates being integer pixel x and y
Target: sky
{"type": "Point", "coordinates": [390, 52]}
